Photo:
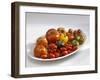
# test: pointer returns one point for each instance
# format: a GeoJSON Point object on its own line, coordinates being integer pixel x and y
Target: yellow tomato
{"type": "Point", "coordinates": [63, 38]}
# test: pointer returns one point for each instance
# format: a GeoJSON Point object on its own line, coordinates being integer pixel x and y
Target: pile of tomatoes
{"type": "Point", "coordinates": [58, 42]}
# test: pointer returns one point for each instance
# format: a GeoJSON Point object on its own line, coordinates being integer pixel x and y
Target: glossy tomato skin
{"type": "Point", "coordinates": [52, 46]}
{"type": "Point", "coordinates": [42, 41]}
{"type": "Point", "coordinates": [52, 35]}
{"type": "Point", "coordinates": [63, 49]}
{"type": "Point", "coordinates": [40, 50]}
{"type": "Point", "coordinates": [57, 54]}
{"type": "Point", "coordinates": [70, 36]}
{"type": "Point", "coordinates": [79, 31]}
{"type": "Point", "coordinates": [52, 50]}
{"type": "Point", "coordinates": [51, 55]}
{"type": "Point", "coordinates": [64, 53]}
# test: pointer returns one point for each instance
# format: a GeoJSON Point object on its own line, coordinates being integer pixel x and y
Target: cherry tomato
{"type": "Point", "coordinates": [58, 50]}
{"type": "Point", "coordinates": [52, 55]}
{"type": "Point", "coordinates": [69, 48]}
{"type": "Point", "coordinates": [71, 36]}
{"type": "Point", "coordinates": [79, 31]}
{"type": "Point", "coordinates": [69, 51]}
{"type": "Point", "coordinates": [62, 49]}
{"type": "Point", "coordinates": [52, 46]}
{"type": "Point", "coordinates": [64, 53]}
{"type": "Point", "coordinates": [57, 54]}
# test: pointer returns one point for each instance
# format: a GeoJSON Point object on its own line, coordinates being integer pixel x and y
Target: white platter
{"type": "Point", "coordinates": [31, 53]}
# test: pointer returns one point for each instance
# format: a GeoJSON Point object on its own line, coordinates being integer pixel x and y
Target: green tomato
{"type": "Point", "coordinates": [78, 38]}
{"type": "Point", "coordinates": [75, 42]}
{"type": "Point", "coordinates": [81, 40]}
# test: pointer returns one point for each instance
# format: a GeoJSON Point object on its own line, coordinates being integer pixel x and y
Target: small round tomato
{"type": "Point", "coordinates": [79, 31]}
{"type": "Point", "coordinates": [64, 53]}
{"type": "Point", "coordinates": [69, 48]}
{"type": "Point", "coordinates": [57, 54]}
{"type": "Point", "coordinates": [52, 50]}
{"type": "Point", "coordinates": [62, 49]}
{"type": "Point", "coordinates": [71, 36]}
{"type": "Point", "coordinates": [52, 55]}
{"type": "Point", "coordinates": [58, 50]}
{"type": "Point", "coordinates": [52, 46]}
{"type": "Point", "coordinates": [69, 51]}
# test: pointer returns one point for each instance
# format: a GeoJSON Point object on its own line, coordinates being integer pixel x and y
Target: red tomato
{"type": "Point", "coordinates": [63, 49]}
{"type": "Point", "coordinates": [64, 53]}
{"type": "Point", "coordinates": [69, 48]}
{"type": "Point", "coordinates": [52, 55]}
{"type": "Point", "coordinates": [58, 50]}
{"type": "Point", "coordinates": [52, 46]}
{"type": "Point", "coordinates": [51, 50]}
{"type": "Point", "coordinates": [71, 36]}
{"type": "Point", "coordinates": [52, 35]}
{"type": "Point", "coordinates": [57, 54]}
{"type": "Point", "coordinates": [69, 51]}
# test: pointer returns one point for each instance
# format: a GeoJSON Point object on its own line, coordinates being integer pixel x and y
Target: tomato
{"type": "Point", "coordinates": [79, 31]}
{"type": "Point", "coordinates": [69, 51]}
{"type": "Point", "coordinates": [58, 50]}
{"type": "Point", "coordinates": [52, 55]}
{"type": "Point", "coordinates": [52, 35]}
{"type": "Point", "coordinates": [52, 46]}
{"type": "Point", "coordinates": [57, 54]}
{"type": "Point", "coordinates": [63, 38]}
{"type": "Point", "coordinates": [62, 49]}
{"type": "Point", "coordinates": [40, 50]}
{"type": "Point", "coordinates": [70, 36]}
{"type": "Point", "coordinates": [42, 41]}
{"type": "Point", "coordinates": [51, 50]}
{"type": "Point", "coordinates": [75, 42]}
{"type": "Point", "coordinates": [64, 53]}
{"type": "Point", "coordinates": [69, 48]}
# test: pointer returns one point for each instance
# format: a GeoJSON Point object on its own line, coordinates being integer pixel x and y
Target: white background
{"type": "Point", "coordinates": [5, 41]}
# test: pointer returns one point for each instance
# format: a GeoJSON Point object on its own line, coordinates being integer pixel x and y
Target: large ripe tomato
{"type": "Point", "coordinates": [40, 50]}
{"type": "Point", "coordinates": [52, 35]}
{"type": "Point", "coordinates": [42, 41]}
